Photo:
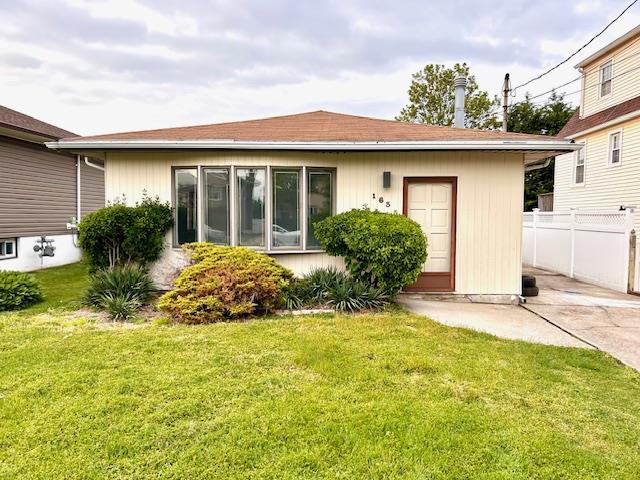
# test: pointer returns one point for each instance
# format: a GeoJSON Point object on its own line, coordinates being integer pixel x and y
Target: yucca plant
{"type": "Point", "coordinates": [348, 294]}
{"type": "Point", "coordinates": [321, 280]}
{"type": "Point", "coordinates": [113, 289]}
{"type": "Point", "coordinates": [120, 306]}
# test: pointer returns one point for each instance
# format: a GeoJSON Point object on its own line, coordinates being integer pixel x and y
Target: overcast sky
{"type": "Point", "coordinates": [101, 66]}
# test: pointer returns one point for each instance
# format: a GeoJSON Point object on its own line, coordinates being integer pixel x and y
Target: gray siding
{"type": "Point", "coordinates": [38, 189]}
{"type": "Point", "coordinates": [91, 187]}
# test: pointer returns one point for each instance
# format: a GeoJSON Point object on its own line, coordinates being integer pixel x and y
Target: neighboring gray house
{"type": "Point", "coordinates": [41, 191]}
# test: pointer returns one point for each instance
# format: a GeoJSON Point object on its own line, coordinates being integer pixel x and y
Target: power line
{"type": "Point", "coordinates": [586, 88]}
{"type": "Point", "coordinates": [578, 50]}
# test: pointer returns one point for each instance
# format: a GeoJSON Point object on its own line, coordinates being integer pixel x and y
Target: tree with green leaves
{"type": "Point", "coordinates": [546, 119]}
{"type": "Point", "coordinates": [432, 99]}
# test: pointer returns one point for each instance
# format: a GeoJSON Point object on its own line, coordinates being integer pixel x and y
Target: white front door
{"type": "Point", "coordinates": [430, 203]}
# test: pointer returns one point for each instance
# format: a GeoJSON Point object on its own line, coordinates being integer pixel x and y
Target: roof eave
{"type": "Point", "coordinates": [524, 145]}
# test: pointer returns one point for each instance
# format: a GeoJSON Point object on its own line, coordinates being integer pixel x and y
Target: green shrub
{"type": "Point", "coordinates": [297, 294]}
{"type": "Point", "coordinates": [321, 280]}
{"type": "Point", "coordinates": [118, 284]}
{"type": "Point", "coordinates": [18, 290]}
{"type": "Point", "coordinates": [225, 283]}
{"type": "Point", "coordinates": [386, 250]}
{"type": "Point", "coordinates": [119, 234]}
{"type": "Point", "coordinates": [348, 294]}
{"type": "Point", "coordinates": [120, 306]}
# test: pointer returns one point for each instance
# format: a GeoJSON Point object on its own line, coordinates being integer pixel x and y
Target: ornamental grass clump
{"type": "Point", "coordinates": [225, 283]}
{"type": "Point", "coordinates": [120, 291]}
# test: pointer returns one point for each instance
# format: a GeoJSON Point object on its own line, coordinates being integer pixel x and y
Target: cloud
{"type": "Point", "coordinates": [138, 52]}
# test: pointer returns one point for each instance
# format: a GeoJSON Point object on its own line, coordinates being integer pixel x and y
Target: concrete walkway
{"type": "Point", "coordinates": [566, 313]}
{"type": "Point", "coordinates": [506, 321]}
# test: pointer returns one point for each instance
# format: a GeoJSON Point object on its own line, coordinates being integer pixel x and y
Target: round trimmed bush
{"type": "Point", "coordinates": [386, 250]}
{"type": "Point", "coordinates": [18, 290]}
{"type": "Point", "coordinates": [225, 283]}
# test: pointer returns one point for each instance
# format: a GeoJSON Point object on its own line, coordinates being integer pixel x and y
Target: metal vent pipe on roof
{"type": "Point", "coordinates": [460, 84]}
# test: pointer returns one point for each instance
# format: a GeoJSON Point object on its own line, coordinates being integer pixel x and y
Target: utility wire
{"type": "Point", "coordinates": [616, 62]}
{"type": "Point", "coordinates": [579, 50]}
{"type": "Point", "coordinates": [587, 87]}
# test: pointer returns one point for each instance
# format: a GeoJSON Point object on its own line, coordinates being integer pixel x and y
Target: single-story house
{"type": "Point", "coordinates": [41, 191]}
{"type": "Point", "coordinates": [262, 184]}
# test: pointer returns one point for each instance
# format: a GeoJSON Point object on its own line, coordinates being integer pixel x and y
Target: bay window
{"type": "Point", "coordinates": [270, 208]}
{"type": "Point", "coordinates": [216, 206]}
{"type": "Point", "coordinates": [250, 206]}
{"type": "Point", "coordinates": [286, 209]}
{"type": "Point", "coordinates": [319, 202]}
{"type": "Point", "coordinates": [186, 200]}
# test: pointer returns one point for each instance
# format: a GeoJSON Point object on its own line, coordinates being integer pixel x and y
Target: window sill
{"type": "Point", "coordinates": [268, 252]}
{"type": "Point", "coordinates": [578, 185]}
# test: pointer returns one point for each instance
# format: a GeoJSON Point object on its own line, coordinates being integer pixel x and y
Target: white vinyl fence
{"type": "Point", "coordinates": [591, 246]}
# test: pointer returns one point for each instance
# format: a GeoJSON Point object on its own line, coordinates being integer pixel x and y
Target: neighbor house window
{"type": "Point", "coordinates": [8, 248]}
{"type": "Point", "coordinates": [319, 202]}
{"type": "Point", "coordinates": [606, 71]}
{"type": "Point", "coordinates": [250, 215]}
{"type": "Point", "coordinates": [615, 148]}
{"type": "Point", "coordinates": [216, 205]}
{"type": "Point", "coordinates": [186, 202]}
{"type": "Point", "coordinates": [285, 228]}
{"type": "Point", "coordinates": [578, 175]}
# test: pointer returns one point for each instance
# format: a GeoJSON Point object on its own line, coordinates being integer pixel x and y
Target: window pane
{"type": "Point", "coordinates": [286, 209]}
{"type": "Point", "coordinates": [580, 174]}
{"type": "Point", "coordinates": [186, 205]}
{"type": "Point", "coordinates": [8, 246]}
{"type": "Point", "coordinates": [615, 156]}
{"type": "Point", "coordinates": [250, 214]}
{"type": "Point", "coordinates": [216, 206]}
{"type": "Point", "coordinates": [318, 201]}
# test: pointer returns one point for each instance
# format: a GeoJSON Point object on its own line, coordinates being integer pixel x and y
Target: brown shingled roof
{"type": "Point", "coordinates": [19, 121]}
{"type": "Point", "coordinates": [318, 126]}
{"type": "Point", "coordinates": [577, 124]}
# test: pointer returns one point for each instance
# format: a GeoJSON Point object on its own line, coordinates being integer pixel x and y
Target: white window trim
{"type": "Point", "coordinates": [14, 242]}
{"type": "Point", "coordinates": [574, 164]}
{"type": "Point", "coordinates": [600, 82]}
{"type": "Point", "coordinates": [610, 149]}
{"type": "Point", "coordinates": [233, 204]}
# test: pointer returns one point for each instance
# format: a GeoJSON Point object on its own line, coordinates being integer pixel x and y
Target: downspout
{"type": "Point", "coordinates": [92, 165]}
{"type": "Point", "coordinates": [78, 190]}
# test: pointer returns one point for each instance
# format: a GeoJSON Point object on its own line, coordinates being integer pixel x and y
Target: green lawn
{"type": "Point", "coordinates": [61, 286]}
{"type": "Point", "coordinates": [388, 395]}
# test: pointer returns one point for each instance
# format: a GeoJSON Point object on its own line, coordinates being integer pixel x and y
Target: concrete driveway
{"type": "Point", "coordinates": [607, 320]}
{"type": "Point", "coordinates": [566, 313]}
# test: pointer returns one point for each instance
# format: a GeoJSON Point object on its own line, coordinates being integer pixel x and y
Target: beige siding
{"type": "Point", "coordinates": [606, 186]}
{"type": "Point", "coordinates": [490, 192]}
{"type": "Point", "coordinates": [626, 78]}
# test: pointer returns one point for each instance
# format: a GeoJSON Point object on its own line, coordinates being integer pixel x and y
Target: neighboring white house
{"type": "Point", "coordinates": [605, 173]}
{"type": "Point", "coordinates": [263, 183]}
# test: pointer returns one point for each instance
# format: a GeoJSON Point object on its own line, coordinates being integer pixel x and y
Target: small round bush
{"type": "Point", "coordinates": [385, 250]}
{"type": "Point", "coordinates": [225, 283]}
{"type": "Point", "coordinates": [119, 234]}
{"type": "Point", "coordinates": [18, 290]}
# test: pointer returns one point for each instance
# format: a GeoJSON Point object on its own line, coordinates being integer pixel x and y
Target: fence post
{"type": "Point", "coordinates": [572, 226]}
{"type": "Point", "coordinates": [630, 233]}
{"type": "Point", "coordinates": [535, 236]}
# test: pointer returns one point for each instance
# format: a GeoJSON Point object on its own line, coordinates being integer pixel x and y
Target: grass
{"type": "Point", "coordinates": [387, 395]}
{"type": "Point", "coordinates": [61, 286]}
